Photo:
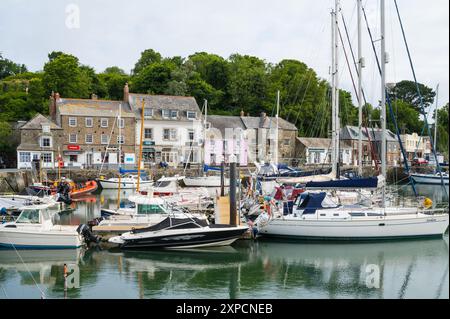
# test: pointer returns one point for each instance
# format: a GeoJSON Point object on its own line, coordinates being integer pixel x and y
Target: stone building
{"type": "Point", "coordinates": [40, 139]}
{"type": "Point", "coordinates": [350, 135]}
{"type": "Point", "coordinates": [416, 146]}
{"type": "Point", "coordinates": [91, 131]}
{"type": "Point", "coordinates": [317, 151]}
{"type": "Point", "coordinates": [258, 138]}
{"type": "Point", "coordinates": [172, 128]}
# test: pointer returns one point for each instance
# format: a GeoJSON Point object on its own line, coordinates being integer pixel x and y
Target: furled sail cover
{"type": "Point", "coordinates": [371, 182]}
{"type": "Point", "coordinates": [312, 202]}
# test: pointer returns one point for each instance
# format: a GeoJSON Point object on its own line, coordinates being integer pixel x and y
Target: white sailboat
{"type": "Point", "coordinates": [316, 216]}
{"type": "Point", "coordinates": [439, 178]}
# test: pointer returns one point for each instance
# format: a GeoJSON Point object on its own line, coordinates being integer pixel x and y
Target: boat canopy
{"type": "Point", "coordinates": [371, 182]}
{"type": "Point", "coordinates": [173, 223]}
{"type": "Point", "coordinates": [309, 202]}
{"type": "Point", "coordinates": [207, 168]}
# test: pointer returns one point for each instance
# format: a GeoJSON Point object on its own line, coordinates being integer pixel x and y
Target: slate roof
{"type": "Point", "coordinates": [248, 122]}
{"type": "Point", "coordinates": [252, 122]}
{"type": "Point", "coordinates": [36, 123]}
{"type": "Point", "coordinates": [325, 143]}
{"type": "Point", "coordinates": [89, 107]}
{"type": "Point", "coordinates": [312, 142]}
{"type": "Point", "coordinates": [182, 104]}
{"type": "Point", "coordinates": [223, 122]}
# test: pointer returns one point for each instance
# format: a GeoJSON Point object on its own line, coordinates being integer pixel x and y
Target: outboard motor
{"type": "Point", "coordinates": [63, 191]}
{"type": "Point", "coordinates": [87, 234]}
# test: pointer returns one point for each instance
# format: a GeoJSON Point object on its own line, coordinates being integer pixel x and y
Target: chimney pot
{"type": "Point", "coordinates": [242, 113]}
{"type": "Point", "coordinates": [94, 96]}
{"type": "Point", "coordinates": [126, 92]}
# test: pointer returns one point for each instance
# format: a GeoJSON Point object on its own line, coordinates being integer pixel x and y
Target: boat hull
{"type": "Point", "coordinates": [429, 179]}
{"type": "Point", "coordinates": [375, 229]}
{"type": "Point", "coordinates": [22, 239]}
{"type": "Point", "coordinates": [208, 181]}
{"type": "Point", "coordinates": [106, 184]}
{"type": "Point", "coordinates": [186, 239]}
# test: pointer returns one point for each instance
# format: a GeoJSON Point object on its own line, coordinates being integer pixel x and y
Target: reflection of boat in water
{"type": "Point", "coordinates": [34, 259]}
{"type": "Point", "coordinates": [342, 269]}
{"type": "Point", "coordinates": [193, 260]}
{"type": "Point", "coordinates": [37, 267]}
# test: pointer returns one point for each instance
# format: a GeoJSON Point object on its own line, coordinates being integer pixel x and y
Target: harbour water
{"type": "Point", "coordinates": [248, 269]}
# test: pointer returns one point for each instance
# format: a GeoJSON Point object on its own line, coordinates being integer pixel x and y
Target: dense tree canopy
{"type": "Point", "coordinates": [8, 68]}
{"type": "Point", "coordinates": [407, 92]}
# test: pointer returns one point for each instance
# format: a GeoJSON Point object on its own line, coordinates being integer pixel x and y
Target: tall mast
{"type": "Point", "coordinates": [276, 132]}
{"type": "Point", "coordinates": [205, 121]}
{"type": "Point", "coordinates": [360, 97]}
{"type": "Point", "coordinates": [336, 87]}
{"type": "Point", "coordinates": [120, 135]}
{"type": "Point", "coordinates": [383, 97]}
{"type": "Point", "coordinates": [333, 96]}
{"type": "Point", "coordinates": [436, 121]}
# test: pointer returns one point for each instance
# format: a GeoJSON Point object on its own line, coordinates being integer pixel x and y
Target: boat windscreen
{"type": "Point", "coordinates": [28, 216]}
{"type": "Point", "coordinates": [173, 223]}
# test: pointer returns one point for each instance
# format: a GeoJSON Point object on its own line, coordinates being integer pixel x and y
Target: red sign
{"type": "Point", "coordinates": [73, 147]}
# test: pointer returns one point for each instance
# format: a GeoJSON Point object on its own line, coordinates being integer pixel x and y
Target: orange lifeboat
{"type": "Point", "coordinates": [86, 188]}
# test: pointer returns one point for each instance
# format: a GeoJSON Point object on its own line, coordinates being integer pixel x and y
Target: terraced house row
{"type": "Point", "coordinates": [93, 133]}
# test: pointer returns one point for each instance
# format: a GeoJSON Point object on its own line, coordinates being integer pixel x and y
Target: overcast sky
{"type": "Point", "coordinates": [114, 32]}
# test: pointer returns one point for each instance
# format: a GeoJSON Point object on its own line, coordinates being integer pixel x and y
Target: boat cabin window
{"type": "Point", "coordinates": [150, 209]}
{"type": "Point", "coordinates": [357, 214]}
{"type": "Point", "coordinates": [28, 216]}
{"type": "Point", "coordinates": [163, 184]}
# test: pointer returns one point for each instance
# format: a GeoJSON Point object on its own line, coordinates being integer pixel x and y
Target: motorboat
{"type": "Point", "coordinates": [13, 204]}
{"type": "Point", "coordinates": [147, 210]}
{"type": "Point", "coordinates": [317, 216]}
{"type": "Point", "coordinates": [128, 181]}
{"type": "Point", "coordinates": [430, 179]}
{"type": "Point", "coordinates": [34, 229]}
{"type": "Point", "coordinates": [180, 233]}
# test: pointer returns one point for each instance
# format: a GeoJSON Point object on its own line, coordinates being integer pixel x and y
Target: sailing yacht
{"type": "Point", "coordinates": [317, 216]}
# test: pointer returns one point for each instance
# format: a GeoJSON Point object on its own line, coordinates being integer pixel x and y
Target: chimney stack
{"type": "Point", "coordinates": [242, 113]}
{"type": "Point", "coordinates": [52, 105]}
{"type": "Point", "coordinates": [262, 119]}
{"type": "Point", "coordinates": [94, 96]}
{"type": "Point", "coordinates": [126, 93]}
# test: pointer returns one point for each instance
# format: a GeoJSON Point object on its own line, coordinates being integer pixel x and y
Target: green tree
{"type": "Point", "coordinates": [8, 68]}
{"type": "Point", "coordinates": [212, 68]}
{"type": "Point", "coordinates": [407, 92]}
{"type": "Point", "coordinates": [148, 57]}
{"type": "Point", "coordinates": [114, 70]}
{"type": "Point", "coordinates": [154, 78]}
{"type": "Point", "coordinates": [407, 117]}
{"type": "Point", "coordinates": [443, 131]}
{"type": "Point", "coordinates": [248, 83]}
{"type": "Point", "coordinates": [63, 74]}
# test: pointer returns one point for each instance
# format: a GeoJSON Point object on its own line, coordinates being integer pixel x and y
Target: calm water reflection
{"type": "Point", "coordinates": [263, 269]}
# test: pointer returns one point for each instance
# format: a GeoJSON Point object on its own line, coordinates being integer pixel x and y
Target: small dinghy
{"type": "Point", "coordinates": [180, 233]}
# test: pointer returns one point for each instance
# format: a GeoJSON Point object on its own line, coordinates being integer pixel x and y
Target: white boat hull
{"type": "Point", "coordinates": [207, 181]}
{"type": "Point", "coordinates": [429, 179]}
{"type": "Point", "coordinates": [113, 184]}
{"type": "Point", "coordinates": [58, 238]}
{"type": "Point", "coordinates": [390, 227]}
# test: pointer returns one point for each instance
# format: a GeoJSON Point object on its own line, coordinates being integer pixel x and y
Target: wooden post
{"type": "Point", "coordinates": [140, 146]}
{"type": "Point", "coordinates": [118, 192]}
